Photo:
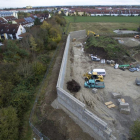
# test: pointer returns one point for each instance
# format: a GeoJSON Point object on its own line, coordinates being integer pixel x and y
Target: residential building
{"type": "Point", "coordinates": [9, 18]}
{"type": "Point", "coordinates": [11, 31]}
{"type": "Point", "coordinates": [8, 13]}
{"type": "Point", "coordinates": [25, 22]}
{"type": "Point", "coordinates": [2, 21]}
{"type": "Point", "coordinates": [29, 7]}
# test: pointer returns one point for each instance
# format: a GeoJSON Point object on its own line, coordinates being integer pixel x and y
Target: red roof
{"type": "Point", "coordinates": [21, 21]}
{"type": "Point", "coordinates": [10, 18]}
{"type": "Point", "coordinates": [8, 28]}
{"type": "Point", "coordinates": [2, 21]}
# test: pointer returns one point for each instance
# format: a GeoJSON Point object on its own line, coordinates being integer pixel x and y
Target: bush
{"type": "Point", "coordinates": [8, 124]}
{"type": "Point", "coordinates": [135, 130]}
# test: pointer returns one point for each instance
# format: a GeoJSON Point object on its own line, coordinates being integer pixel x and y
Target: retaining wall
{"type": "Point", "coordinates": [74, 105]}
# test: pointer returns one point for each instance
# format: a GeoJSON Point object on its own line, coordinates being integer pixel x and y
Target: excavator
{"type": "Point", "coordinates": [91, 32]}
{"type": "Point", "coordinates": [93, 75]}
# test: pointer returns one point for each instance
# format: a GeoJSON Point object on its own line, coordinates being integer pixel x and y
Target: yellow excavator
{"type": "Point", "coordinates": [93, 75]}
{"type": "Point", "coordinates": [91, 32]}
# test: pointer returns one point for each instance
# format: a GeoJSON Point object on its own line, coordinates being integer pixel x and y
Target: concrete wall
{"type": "Point", "coordinates": [74, 105]}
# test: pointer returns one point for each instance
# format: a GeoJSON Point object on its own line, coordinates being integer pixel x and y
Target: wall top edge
{"type": "Point", "coordinates": [77, 31]}
{"type": "Point", "coordinates": [73, 98]}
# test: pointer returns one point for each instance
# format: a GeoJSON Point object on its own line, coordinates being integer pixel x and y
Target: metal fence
{"type": "Point", "coordinates": [36, 131]}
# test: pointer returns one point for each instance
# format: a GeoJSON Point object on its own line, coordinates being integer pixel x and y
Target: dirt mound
{"type": "Point", "coordinates": [97, 51]}
{"type": "Point", "coordinates": [73, 86]}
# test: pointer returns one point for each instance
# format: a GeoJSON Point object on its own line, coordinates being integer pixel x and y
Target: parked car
{"type": "Point", "coordinates": [138, 66]}
{"type": "Point", "coordinates": [95, 58]}
{"type": "Point", "coordinates": [133, 69]}
{"type": "Point", "coordinates": [137, 81]}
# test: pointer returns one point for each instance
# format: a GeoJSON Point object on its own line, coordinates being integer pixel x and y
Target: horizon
{"type": "Point", "coordinates": [67, 6]}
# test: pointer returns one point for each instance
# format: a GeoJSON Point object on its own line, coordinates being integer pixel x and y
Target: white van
{"type": "Point", "coordinates": [100, 71]}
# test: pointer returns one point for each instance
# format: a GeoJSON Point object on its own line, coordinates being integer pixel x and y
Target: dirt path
{"type": "Point", "coordinates": [55, 123]}
{"type": "Point", "coordinates": [115, 81]}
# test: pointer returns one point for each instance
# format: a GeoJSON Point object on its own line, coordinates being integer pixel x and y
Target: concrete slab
{"type": "Point", "coordinates": [116, 95]}
{"type": "Point", "coordinates": [94, 90]}
{"type": "Point", "coordinates": [125, 111]}
{"type": "Point", "coordinates": [124, 105]}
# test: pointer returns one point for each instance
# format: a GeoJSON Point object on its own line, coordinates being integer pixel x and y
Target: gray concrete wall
{"type": "Point", "coordinates": [74, 105]}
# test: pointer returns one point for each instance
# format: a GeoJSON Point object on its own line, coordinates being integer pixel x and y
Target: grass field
{"type": "Point", "coordinates": [103, 19]}
{"type": "Point", "coordinates": [103, 25]}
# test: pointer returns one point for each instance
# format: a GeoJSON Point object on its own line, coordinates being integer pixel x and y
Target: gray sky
{"type": "Point", "coordinates": [23, 3]}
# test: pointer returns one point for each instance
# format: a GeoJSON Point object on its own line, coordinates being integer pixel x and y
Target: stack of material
{"type": "Point", "coordinates": [124, 107]}
{"type": "Point", "coordinates": [103, 61]}
{"type": "Point", "coordinates": [116, 95]}
{"type": "Point", "coordinates": [74, 39]}
{"type": "Point", "coordinates": [94, 90]}
{"type": "Point", "coordinates": [109, 104]}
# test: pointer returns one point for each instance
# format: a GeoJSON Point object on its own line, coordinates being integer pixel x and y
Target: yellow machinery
{"type": "Point", "coordinates": [136, 36]}
{"type": "Point", "coordinates": [94, 75]}
{"type": "Point", "coordinates": [91, 32]}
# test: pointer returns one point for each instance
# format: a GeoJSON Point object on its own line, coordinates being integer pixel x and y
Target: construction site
{"type": "Point", "coordinates": [116, 102]}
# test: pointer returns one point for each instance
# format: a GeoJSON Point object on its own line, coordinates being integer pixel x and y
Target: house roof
{"type": "Point", "coordinates": [29, 19]}
{"type": "Point", "coordinates": [8, 28]}
{"type": "Point", "coordinates": [105, 11]}
{"type": "Point", "coordinates": [25, 35]}
{"type": "Point", "coordinates": [5, 12]}
{"type": "Point", "coordinates": [10, 18]}
{"type": "Point", "coordinates": [21, 21]}
{"type": "Point", "coordinates": [2, 21]}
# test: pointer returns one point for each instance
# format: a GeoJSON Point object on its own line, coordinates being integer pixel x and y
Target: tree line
{"type": "Point", "coordinates": [23, 64]}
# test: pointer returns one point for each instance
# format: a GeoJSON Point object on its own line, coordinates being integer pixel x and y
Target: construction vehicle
{"type": "Point", "coordinates": [93, 75]}
{"type": "Point", "coordinates": [93, 84]}
{"type": "Point", "coordinates": [91, 32]}
{"type": "Point", "coordinates": [126, 66]}
{"type": "Point", "coordinates": [137, 36]}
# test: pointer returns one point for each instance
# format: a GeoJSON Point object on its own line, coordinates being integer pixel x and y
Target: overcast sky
{"type": "Point", "coordinates": [24, 3]}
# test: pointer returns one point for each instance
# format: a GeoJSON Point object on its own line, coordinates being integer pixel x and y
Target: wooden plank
{"type": "Point", "coordinates": [122, 100]}
{"type": "Point", "coordinates": [110, 106]}
{"type": "Point", "coordinates": [108, 103]}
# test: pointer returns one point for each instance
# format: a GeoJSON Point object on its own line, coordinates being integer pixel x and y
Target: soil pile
{"type": "Point", "coordinates": [97, 51]}
{"type": "Point", "coordinates": [73, 86]}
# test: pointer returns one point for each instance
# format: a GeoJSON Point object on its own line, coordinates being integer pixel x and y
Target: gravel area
{"type": "Point", "coordinates": [124, 32]}
{"type": "Point", "coordinates": [116, 80]}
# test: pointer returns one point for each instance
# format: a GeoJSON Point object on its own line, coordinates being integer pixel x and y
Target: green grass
{"type": "Point", "coordinates": [103, 19]}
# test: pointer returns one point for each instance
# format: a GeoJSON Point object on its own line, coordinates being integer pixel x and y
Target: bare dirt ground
{"type": "Point", "coordinates": [55, 123]}
{"type": "Point", "coordinates": [116, 80]}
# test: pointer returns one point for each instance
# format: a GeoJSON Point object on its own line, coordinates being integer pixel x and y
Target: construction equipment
{"type": "Point", "coordinates": [137, 36]}
{"type": "Point", "coordinates": [91, 32]}
{"type": "Point", "coordinates": [124, 66]}
{"type": "Point", "coordinates": [93, 75]}
{"type": "Point", "coordinates": [91, 83]}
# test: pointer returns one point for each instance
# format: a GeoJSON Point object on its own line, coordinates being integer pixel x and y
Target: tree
{"type": "Point", "coordinates": [37, 22]}
{"type": "Point", "coordinates": [8, 124]}
{"type": "Point", "coordinates": [33, 43]}
{"type": "Point", "coordinates": [135, 130]}
{"type": "Point", "coordinates": [45, 25]}
{"type": "Point", "coordinates": [13, 53]}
